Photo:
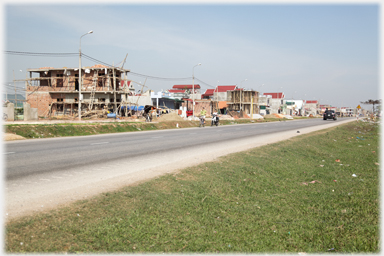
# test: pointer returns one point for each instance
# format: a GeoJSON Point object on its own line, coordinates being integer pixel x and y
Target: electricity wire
{"type": "Point", "coordinates": [46, 54]}
{"type": "Point", "coordinates": [104, 63]}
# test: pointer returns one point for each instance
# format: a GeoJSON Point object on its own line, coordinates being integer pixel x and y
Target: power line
{"type": "Point", "coordinates": [101, 62]}
{"type": "Point", "coordinates": [47, 54]}
{"type": "Point", "coordinates": [160, 78]}
{"type": "Point", "coordinates": [95, 60]}
{"type": "Point", "coordinates": [137, 74]}
{"type": "Point", "coordinates": [205, 83]}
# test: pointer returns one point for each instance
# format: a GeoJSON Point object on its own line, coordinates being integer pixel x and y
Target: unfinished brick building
{"type": "Point", "coordinates": [246, 101]}
{"type": "Point", "coordinates": [54, 91]}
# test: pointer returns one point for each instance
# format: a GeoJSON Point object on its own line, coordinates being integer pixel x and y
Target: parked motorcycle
{"type": "Point", "coordinates": [215, 119]}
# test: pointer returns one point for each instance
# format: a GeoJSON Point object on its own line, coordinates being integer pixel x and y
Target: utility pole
{"type": "Point", "coordinates": [15, 89]}
{"type": "Point", "coordinates": [193, 88]}
{"type": "Point", "coordinates": [80, 80]}
{"type": "Point", "coordinates": [114, 89]}
{"type": "Point", "coordinates": [26, 87]}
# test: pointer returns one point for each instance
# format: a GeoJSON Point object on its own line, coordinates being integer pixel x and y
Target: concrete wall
{"type": "Point", "coordinates": [142, 100]}
{"type": "Point", "coordinates": [275, 105]}
{"type": "Point", "coordinates": [29, 113]}
{"type": "Point", "coordinates": [220, 96]}
{"type": "Point", "coordinates": [9, 110]}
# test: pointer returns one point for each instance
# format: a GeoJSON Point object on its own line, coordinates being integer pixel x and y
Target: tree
{"type": "Point", "coordinates": [373, 102]}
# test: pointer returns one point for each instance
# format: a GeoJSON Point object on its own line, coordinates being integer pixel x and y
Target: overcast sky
{"type": "Point", "coordinates": [328, 52]}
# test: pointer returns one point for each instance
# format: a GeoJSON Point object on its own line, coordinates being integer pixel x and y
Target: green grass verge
{"type": "Point", "coordinates": [37, 131]}
{"type": "Point", "coordinates": [297, 195]}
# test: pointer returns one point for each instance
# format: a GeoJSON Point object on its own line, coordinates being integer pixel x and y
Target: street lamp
{"type": "Point", "coordinates": [193, 88]}
{"type": "Point", "coordinates": [80, 80]}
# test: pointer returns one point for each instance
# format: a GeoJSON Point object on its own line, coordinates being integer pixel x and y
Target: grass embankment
{"type": "Point", "coordinates": [35, 131]}
{"type": "Point", "coordinates": [299, 195]}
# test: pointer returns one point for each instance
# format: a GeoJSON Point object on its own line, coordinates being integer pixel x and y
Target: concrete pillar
{"type": "Point", "coordinates": [9, 112]}
{"type": "Point", "coordinates": [29, 113]}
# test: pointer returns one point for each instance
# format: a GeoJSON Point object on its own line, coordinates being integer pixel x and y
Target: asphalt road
{"type": "Point", "coordinates": [38, 156]}
{"type": "Point", "coordinates": [43, 174]}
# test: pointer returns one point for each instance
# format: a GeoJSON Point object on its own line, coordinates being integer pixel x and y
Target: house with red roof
{"type": "Point", "coordinates": [221, 92]}
{"type": "Point", "coordinates": [275, 102]}
{"type": "Point", "coordinates": [221, 96]}
{"type": "Point", "coordinates": [311, 107]}
{"type": "Point", "coordinates": [186, 86]}
{"type": "Point", "coordinates": [275, 95]}
{"type": "Point", "coordinates": [189, 88]}
{"type": "Point", "coordinates": [176, 91]}
{"type": "Point", "coordinates": [208, 94]}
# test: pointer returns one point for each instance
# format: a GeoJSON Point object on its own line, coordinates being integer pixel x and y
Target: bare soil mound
{"type": "Point", "coordinates": [11, 136]}
{"type": "Point", "coordinates": [169, 117]}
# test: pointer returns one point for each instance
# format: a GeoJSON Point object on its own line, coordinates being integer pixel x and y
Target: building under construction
{"type": "Point", "coordinates": [55, 91]}
{"type": "Point", "coordinates": [246, 102]}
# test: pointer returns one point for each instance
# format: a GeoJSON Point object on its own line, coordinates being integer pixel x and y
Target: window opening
{"type": "Point", "coordinates": [76, 82]}
{"type": "Point", "coordinates": [59, 80]}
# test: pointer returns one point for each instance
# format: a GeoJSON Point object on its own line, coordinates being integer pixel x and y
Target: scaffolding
{"type": "Point", "coordinates": [242, 101]}
{"type": "Point", "coordinates": [55, 91]}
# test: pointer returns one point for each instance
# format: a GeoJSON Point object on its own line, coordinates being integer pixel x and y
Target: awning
{"type": "Point", "coordinates": [222, 104]}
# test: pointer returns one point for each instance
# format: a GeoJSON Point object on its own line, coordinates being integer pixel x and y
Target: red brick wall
{"type": "Point", "coordinates": [199, 106]}
{"type": "Point", "coordinates": [39, 99]}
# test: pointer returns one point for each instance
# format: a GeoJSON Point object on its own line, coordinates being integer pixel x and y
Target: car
{"type": "Point", "coordinates": [329, 114]}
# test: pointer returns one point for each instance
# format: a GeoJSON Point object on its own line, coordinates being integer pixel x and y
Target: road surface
{"type": "Point", "coordinates": [43, 174]}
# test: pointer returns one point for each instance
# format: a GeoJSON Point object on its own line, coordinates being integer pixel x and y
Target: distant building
{"type": "Point", "coordinates": [220, 92]}
{"type": "Point", "coordinates": [166, 100]}
{"type": "Point", "coordinates": [20, 99]}
{"type": "Point", "coordinates": [276, 102]}
{"type": "Point", "coordinates": [347, 111]}
{"type": "Point", "coordinates": [311, 107]}
{"type": "Point", "coordinates": [193, 90]}
{"type": "Point", "coordinates": [208, 94]}
{"type": "Point", "coordinates": [322, 108]}
{"type": "Point", "coordinates": [293, 107]}
{"type": "Point", "coordinates": [264, 108]}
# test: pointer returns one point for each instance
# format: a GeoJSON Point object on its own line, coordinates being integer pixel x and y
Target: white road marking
{"type": "Point", "coordinates": [6, 153]}
{"type": "Point", "coordinates": [99, 143]}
